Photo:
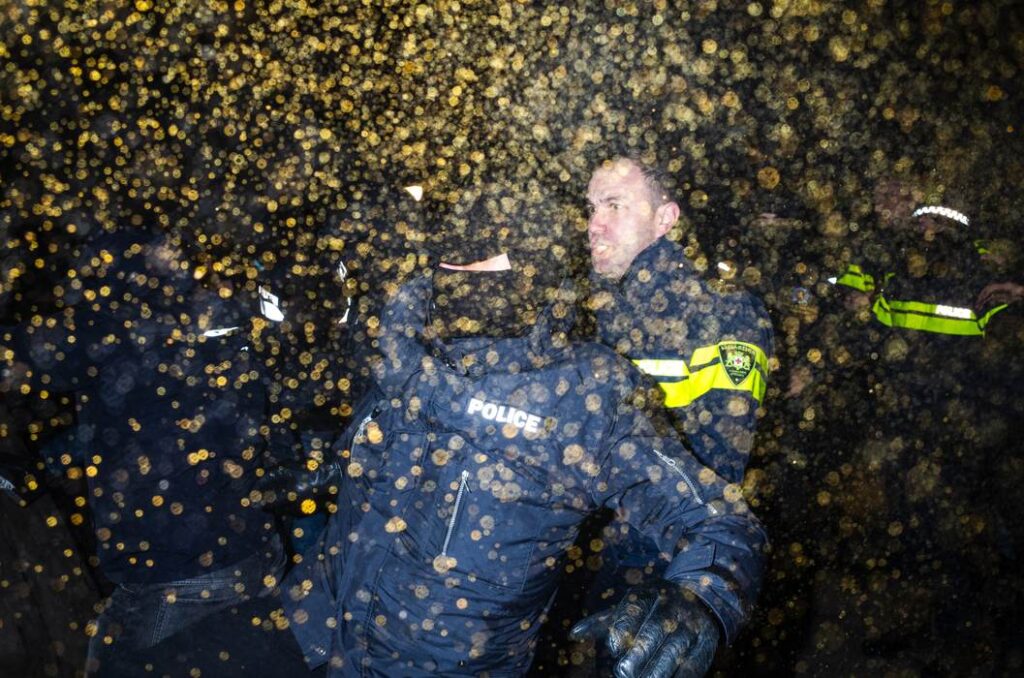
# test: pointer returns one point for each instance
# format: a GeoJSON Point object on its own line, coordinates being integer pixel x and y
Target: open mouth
{"type": "Point", "coordinates": [598, 249]}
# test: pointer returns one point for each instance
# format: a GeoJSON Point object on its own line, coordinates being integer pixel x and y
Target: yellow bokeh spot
{"type": "Point", "coordinates": [994, 93]}
{"type": "Point", "coordinates": [443, 563]}
{"type": "Point", "coordinates": [572, 454]}
{"type": "Point", "coordinates": [768, 177]}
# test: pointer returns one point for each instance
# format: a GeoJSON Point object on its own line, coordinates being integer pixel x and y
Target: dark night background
{"type": "Point", "coordinates": [273, 138]}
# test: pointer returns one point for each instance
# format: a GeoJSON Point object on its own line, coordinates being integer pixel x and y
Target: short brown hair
{"type": "Point", "coordinates": [655, 179]}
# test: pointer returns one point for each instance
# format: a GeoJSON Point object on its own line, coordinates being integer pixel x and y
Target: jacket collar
{"type": "Point", "coordinates": [660, 257]}
{"type": "Point", "coordinates": [406, 341]}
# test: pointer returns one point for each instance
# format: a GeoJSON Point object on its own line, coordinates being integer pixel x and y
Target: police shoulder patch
{"type": "Point", "coordinates": [738, 360]}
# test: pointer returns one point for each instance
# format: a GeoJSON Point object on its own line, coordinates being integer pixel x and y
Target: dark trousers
{"type": "Point", "coordinates": [138, 617]}
{"type": "Point", "coordinates": [224, 644]}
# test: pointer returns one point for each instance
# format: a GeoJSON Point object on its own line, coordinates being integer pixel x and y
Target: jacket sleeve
{"type": "Point", "coordinates": [714, 405]}
{"type": "Point", "coordinates": [309, 596]}
{"type": "Point", "coordinates": [700, 522]}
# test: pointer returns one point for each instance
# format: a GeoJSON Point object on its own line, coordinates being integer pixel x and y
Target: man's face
{"type": "Point", "coordinates": [623, 219]}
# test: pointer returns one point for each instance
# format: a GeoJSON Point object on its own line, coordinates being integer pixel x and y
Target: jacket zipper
{"type": "Point", "coordinates": [686, 479]}
{"type": "Point", "coordinates": [362, 425]}
{"type": "Point", "coordinates": [463, 487]}
{"type": "Point", "coordinates": [366, 420]}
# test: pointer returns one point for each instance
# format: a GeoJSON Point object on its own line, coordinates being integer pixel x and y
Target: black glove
{"type": "Point", "coordinates": [6, 485]}
{"type": "Point", "coordinates": [657, 631]}
{"type": "Point", "coordinates": [299, 488]}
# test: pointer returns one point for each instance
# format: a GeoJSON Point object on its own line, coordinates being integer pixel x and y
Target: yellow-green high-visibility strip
{"type": "Point", "coordinates": [984, 320]}
{"type": "Point", "coordinates": [856, 278]}
{"type": "Point", "coordinates": [935, 318]}
{"type": "Point", "coordinates": [707, 371]}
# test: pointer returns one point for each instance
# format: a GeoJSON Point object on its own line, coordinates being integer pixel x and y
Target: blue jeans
{"type": "Point", "coordinates": [138, 616]}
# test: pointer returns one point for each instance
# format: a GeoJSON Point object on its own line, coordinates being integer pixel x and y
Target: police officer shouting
{"type": "Point", "coordinates": [707, 350]}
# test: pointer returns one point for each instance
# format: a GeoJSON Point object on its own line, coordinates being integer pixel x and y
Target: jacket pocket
{"type": "Point", "coordinates": [487, 520]}
{"type": "Point", "coordinates": [368, 449]}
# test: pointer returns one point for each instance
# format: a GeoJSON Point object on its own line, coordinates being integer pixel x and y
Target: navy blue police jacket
{"type": "Point", "coordinates": [469, 471]}
{"type": "Point", "coordinates": [708, 350]}
{"type": "Point", "coordinates": [169, 409]}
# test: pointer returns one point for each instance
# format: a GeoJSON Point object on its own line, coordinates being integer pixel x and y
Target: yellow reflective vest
{"type": "Point", "coordinates": [938, 305]}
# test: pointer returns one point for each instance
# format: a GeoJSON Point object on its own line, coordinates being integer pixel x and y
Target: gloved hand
{"type": "Point", "coordinates": [655, 631]}
{"type": "Point", "coordinates": [8, 486]}
{"type": "Point", "coordinates": [299, 488]}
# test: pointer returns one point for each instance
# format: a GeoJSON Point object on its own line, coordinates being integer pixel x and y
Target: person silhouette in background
{"type": "Point", "coordinates": [170, 412]}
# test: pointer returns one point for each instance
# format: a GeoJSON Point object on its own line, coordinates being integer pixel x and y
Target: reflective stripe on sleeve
{"type": "Point", "coordinates": [854, 277]}
{"type": "Point", "coordinates": [934, 318]}
{"type": "Point", "coordinates": [683, 384]}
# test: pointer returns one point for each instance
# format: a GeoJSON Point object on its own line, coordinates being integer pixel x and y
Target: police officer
{"type": "Point", "coordinates": [707, 350]}
{"type": "Point", "coordinates": [930, 290]}
{"type": "Point", "coordinates": [921, 494]}
{"type": "Point", "coordinates": [490, 438]}
{"type": "Point", "coordinates": [893, 200]}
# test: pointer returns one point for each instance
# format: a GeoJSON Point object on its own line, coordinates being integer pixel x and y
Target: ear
{"type": "Point", "coordinates": [666, 217]}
